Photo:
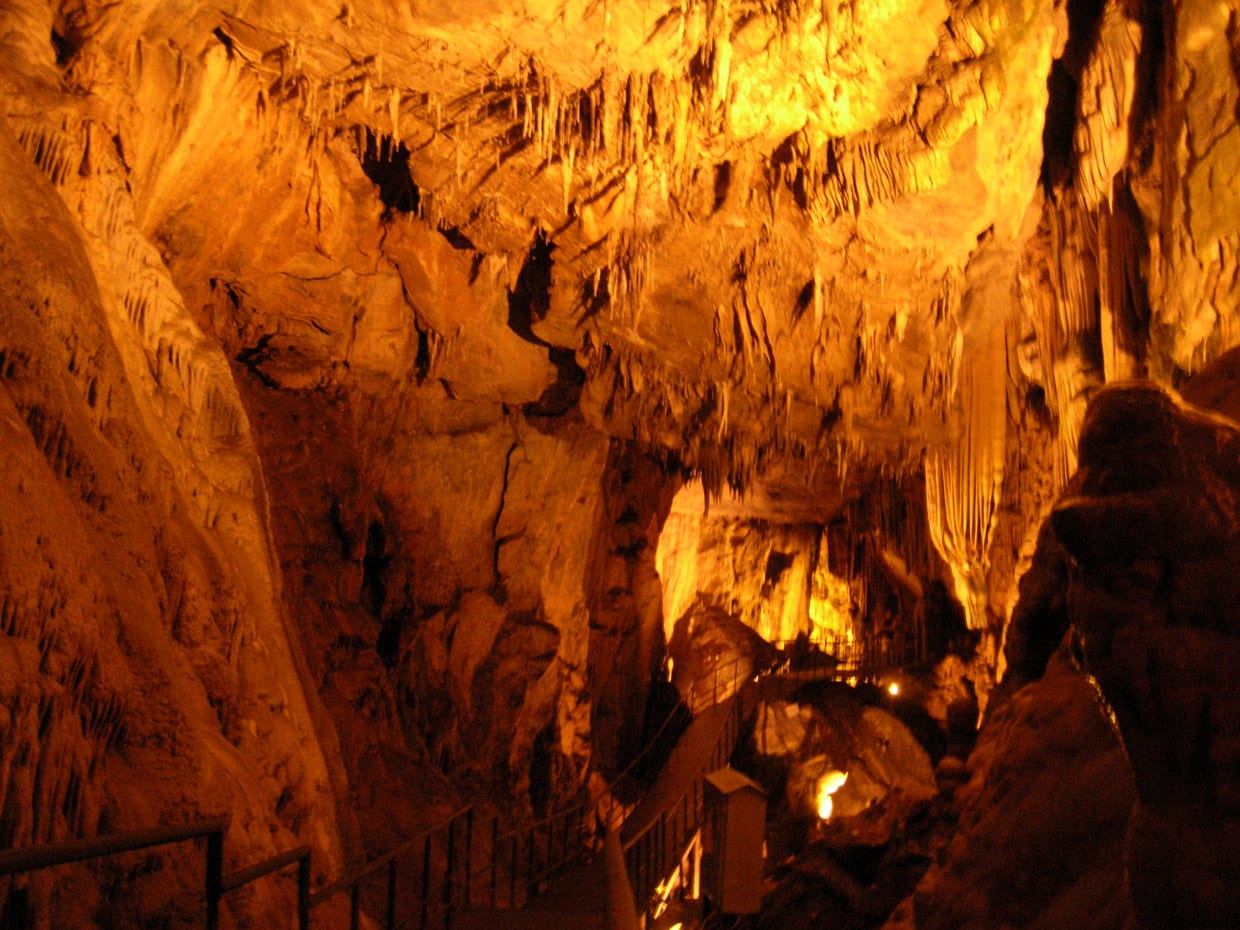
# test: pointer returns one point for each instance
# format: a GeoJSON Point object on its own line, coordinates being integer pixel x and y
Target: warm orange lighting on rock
{"type": "Point", "coordinates": [827, 786]}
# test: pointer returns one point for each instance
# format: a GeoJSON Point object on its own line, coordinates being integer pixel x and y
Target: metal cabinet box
{"type": "Point", "coordinates": [733, 842]}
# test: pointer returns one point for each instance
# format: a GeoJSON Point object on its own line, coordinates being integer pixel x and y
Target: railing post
{"type": "Point", "coordinates": [391, 895]}
{"type": "Point", "coordinates": [464, 893]}
{"type": "Point", "coordinates": [529, 864]}
{"type": "Point", "coordinates": [563, 849]}
{"type": "Point", "coordinates": [303, 893]}
{"type": "Point", "coordinates": [469, 852]}
{"type": "Point", "coordinates": [214, 877]}
{"type": "Point", "coordinates": [447, 882]}
{"type": "Point", "coordinates": [355, 905]}
{"type": "Point", "coordinates": [652, 868]}
{"type": "Point", "coordinates": [512, 872]}
{"type": "Point", "coordinates": [426, 880]}
{"type": "Point", "coordinates": [494, 857]}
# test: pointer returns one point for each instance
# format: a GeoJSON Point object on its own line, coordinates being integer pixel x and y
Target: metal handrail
{"type": "Point", "coordinates": [652, 848]}
{"type": "Point", "coordinates": [43, 857]}
{"type": "Point", "coordinates": [365, 870]}
{"type": "Point", "coordinates": [419, 844]}
{"type": "Point", "coordinates": [217, 884]}
{"type": "Point", "coordinates": [578, 820]}
{"type": "Point", "coordinates": [705, 692]}
{"type": "Point", "coordinates": [648, 854]}
{"type": "Point", "coordinates": [656, 850]}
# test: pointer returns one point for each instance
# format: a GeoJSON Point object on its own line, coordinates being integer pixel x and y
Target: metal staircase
{"type": "Point", "coordinates": [469, 861]}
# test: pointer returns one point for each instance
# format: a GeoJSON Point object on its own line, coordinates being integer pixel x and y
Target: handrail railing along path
{"type": "Point", "coordinates": [454, 863]}
{"type": "Point", "coordinates": [215, 883]}
{"type": "Point", "coordinates": [654, 851]}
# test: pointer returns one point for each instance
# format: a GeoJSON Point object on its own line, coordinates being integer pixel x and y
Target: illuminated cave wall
{"type": "Point", "coordinates": [757, 571]}
{"type": "Point", "coordinates": [351, 355]}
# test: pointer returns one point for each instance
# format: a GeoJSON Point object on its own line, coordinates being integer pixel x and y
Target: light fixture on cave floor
{"type": "Point", "coordinates": [828, 784]}
{"type": "Point", "coordinates": [893, 688]}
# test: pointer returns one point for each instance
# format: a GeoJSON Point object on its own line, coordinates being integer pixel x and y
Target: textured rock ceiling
{"type": "Point", "coordinates": [752, 228]}
{"type": "Point", "coordinates": [754, 236]}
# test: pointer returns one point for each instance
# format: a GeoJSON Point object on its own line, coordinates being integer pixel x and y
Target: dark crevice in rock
{"type": "Point", "coordinates": [1147, 100]}
{"type": "Point", "coordinates": [561, 396]}
{"type": "Point", "coordinates": [776, 564]}
{"type": "Point", "coordinates": [224, 38]}
{"type": "Point", "coordinates": [1060, 122]}
{"type": "Point", "coordinates": [374, 565]}
{"type": "Point", "coordinates": [723, 182]}
{"type": "Point", "coordinates": [1062, 86]}
{"type": "Point", "coordinates": [387, 643]}
{"type": "Point", "coordinates": [65, 48]}
{"type": "Point", "coordinates": [1130, 247]}
{"type": "Point", "coordinates": [255, 356]}
{"type": "Point", "coordinates": [541, 762]}
{"type": "Point", "coordinates": [529, 303]}
{"type": "Point", "coordinates": [531, 297]}
{"type": "Point", "coordinates": [422, 361]}
{"type": "Point", "coordinates": [386, 163]}
{"type": "Point", "coordinates": [499, 512]}
{"type": "Point", "coordinates": [457, 239]}
{"type": "Point", "coordinates": [595, 293]}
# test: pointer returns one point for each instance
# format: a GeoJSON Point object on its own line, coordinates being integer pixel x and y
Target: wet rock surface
{"type": "Point", "coordinates": [1152, 523]}
{"type": "Point", "coordinates": [1040, 819]}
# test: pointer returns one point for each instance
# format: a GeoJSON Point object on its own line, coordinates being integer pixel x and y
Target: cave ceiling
{"type": "Point", "coordinates": [757, 237]}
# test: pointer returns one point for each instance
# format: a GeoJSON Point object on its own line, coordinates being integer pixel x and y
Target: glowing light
{"type": "Point", "coordinates": [894, 689]}
{"type": "Point", "coordinates": [830, 783]}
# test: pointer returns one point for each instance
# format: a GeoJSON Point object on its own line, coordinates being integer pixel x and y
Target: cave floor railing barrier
{"type": "Point", "coordinates": [660, 837]}
{"type": "Point", "coordinates": [466, 862]}
{"type": "Point", "coordinates": [216, 883]}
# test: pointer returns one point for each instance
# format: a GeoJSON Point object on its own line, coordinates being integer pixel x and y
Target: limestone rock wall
{"type": "Point", "coordinates": [1041, 821]}
{"type": "Point", "coordinates": [627, 640]}
{"type": "Point", "coordinates": [384, 335]}
{"type": "Point", "coordinates": [189, 516]}
{"type": "Point", "coordinates": [440, 581]}
{"type": "Point", "coordinates": [756, 570]}
{"type": "Point", "coordinates": [1150, 521]}
{"type": "Point", "coordinates": [149, 673]}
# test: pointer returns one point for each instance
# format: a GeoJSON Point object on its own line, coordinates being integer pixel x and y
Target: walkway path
{"type": "Point", "coordinates": [658, 830]}
{"type": "Point", "coordinates": [576, 900]}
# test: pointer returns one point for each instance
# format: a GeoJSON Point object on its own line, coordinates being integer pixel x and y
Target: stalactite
{"type": "Point", "coordinates": [1104, 101]}
{"type": "Point", "coordinates": [1059, 286]}
{"type": "Point", "coordinates": [965, 478]}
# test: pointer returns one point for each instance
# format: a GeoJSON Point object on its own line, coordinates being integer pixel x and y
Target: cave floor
{"type": "Point", "coordinates": [576, 899]}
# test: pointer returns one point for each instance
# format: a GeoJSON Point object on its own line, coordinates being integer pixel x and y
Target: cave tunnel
{"type": "Point", "coordinates": [444, 443]}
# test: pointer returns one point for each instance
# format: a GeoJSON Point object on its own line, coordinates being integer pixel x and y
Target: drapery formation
{"type": "Point", "coordinates": [964, 478]}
